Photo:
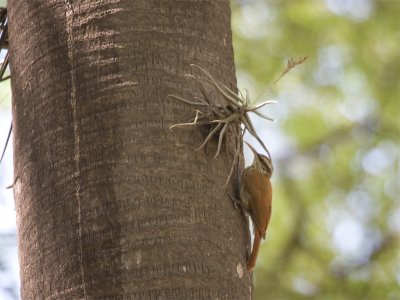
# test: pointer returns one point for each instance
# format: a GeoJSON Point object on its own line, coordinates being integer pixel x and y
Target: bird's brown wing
{"type": "Point", "coordinates": [259, 187]}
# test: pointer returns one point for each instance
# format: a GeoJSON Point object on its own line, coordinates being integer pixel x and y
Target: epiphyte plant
{"type": "Point", "coordinates": [228, 114]}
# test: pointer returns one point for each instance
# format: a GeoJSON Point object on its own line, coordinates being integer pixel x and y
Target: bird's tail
{"type": "Point", "coordinates": [254, 253]}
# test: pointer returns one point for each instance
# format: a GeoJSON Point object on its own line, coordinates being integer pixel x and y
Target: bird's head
{"type": "Point", "coordinates": [261, 162]}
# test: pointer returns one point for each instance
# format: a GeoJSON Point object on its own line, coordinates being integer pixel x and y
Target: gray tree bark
{"type": "Point", "coordinates": [110, 203]}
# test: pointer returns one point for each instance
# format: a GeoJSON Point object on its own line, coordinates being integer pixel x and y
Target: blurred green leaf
{"type": "Point", "coordinates": [335, 225]}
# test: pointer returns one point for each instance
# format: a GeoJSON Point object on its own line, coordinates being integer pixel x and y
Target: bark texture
{"type": "Point", "coordinates": [110, 204]}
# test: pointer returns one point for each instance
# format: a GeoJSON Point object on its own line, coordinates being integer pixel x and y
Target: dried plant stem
{"type": "Point", "coordinates": [229, 114]}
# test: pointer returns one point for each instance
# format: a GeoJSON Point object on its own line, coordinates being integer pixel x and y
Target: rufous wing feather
{"type": "Point", "coordinates": [261, 204]}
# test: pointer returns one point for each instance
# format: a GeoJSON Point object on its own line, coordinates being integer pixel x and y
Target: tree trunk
{"type": "Point", "coordinates": [110, 203]}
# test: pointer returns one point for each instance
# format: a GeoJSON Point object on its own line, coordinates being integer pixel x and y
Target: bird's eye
{"type": "Point", "coordinates": [267, 164]}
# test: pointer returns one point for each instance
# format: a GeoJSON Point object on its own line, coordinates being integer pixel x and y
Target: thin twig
{"type": "Point", "coordinates": [210, 135]}
{"type": "Point", "coordinates": [221, 136]}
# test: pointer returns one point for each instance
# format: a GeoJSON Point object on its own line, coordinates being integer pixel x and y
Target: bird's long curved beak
{"type": "Point", "coordinates": [252, 149]}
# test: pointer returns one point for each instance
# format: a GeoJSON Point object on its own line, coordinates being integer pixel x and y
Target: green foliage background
{"type": "Point", "coordinates": [335, 227]}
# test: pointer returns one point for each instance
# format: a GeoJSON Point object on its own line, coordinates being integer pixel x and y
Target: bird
{"type": "Point", "coordinates": [256, 199]}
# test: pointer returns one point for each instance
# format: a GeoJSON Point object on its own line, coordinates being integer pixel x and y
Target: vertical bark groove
{"type": "Point", "coordinates": [69, 15]}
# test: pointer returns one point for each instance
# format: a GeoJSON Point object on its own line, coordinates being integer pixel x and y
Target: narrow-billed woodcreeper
{"type": "Point", "coordinates": [256, 199]}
